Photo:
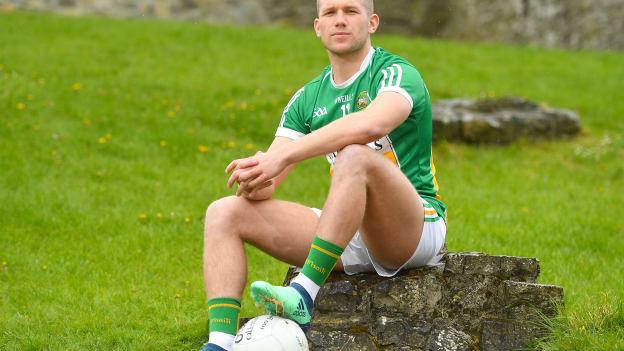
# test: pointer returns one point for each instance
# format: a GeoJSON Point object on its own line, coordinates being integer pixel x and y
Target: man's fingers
{"type": "Point", "coordinates": [241, 163]}
{"type": "Point", "coordinates": [249, 175]}
{"type": "Point", "coordinates": [247, 162]}
{"type": "Point", "coordinates": [233, 178]}
{"type": "Point", "coordinates": [257, 181]}
{"type": "Point", "coordinates": [231, 166]}
{"type": "Point", "coordinates": [264, 185]}
{"type": "Point", "coordinates": [243, 188]}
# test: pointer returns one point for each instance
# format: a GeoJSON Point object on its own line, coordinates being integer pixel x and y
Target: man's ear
{"type": "Point", "coordinates": [317, 28]}
{"type": "Point", "coordinates": [373, 23]}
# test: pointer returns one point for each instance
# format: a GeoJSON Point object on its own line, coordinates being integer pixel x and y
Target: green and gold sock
{"type": "Point", "coordinates": [321, 260]}
{"type": "Point", "coordinates": [223, 313]}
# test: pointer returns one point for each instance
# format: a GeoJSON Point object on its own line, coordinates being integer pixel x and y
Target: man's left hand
{"type": "Point", "coordinates": [256, 172]}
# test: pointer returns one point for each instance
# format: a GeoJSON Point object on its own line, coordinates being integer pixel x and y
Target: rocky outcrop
{"type": "Point", "coordinates": [500, 121]}
{"type": "Point", "coordinates": [471, 302]}
{"type": "Point", "coordinates": [594, 24]}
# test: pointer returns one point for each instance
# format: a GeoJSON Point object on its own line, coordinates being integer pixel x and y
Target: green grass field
{"type": "Point", "coordinates": [114, 135]}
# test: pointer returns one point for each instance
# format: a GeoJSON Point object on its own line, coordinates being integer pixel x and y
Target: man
{"type": "Point", "coordinates": [382, 213]}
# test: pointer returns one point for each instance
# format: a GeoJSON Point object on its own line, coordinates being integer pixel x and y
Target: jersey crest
{"type": "Point", "coordinates": [362, 100]}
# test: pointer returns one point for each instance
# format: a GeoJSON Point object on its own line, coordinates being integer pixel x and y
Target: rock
{"type": "Point", "coordinates": [500, 121]}
{"type": "Point", "coordinates": [452, 340]}
{"type": "Point", "coordinates": [471, 302]}
{"type": "Point", "coordinates": [338, 296]}
{"type": "Point", "coordinates": [508, 335]}
{"type": "Point", "coordinates": [338, 341]}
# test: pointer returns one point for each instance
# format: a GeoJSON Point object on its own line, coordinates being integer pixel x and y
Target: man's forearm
{"type": "Point", "coordinates": [356, 128]}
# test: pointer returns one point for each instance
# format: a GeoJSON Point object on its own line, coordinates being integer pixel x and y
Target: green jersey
{"type": "Point", "coordinates": [408, 146]}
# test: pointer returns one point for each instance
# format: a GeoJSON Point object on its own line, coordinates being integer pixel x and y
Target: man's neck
{"type": "Point", "coordinates": [345, 66]}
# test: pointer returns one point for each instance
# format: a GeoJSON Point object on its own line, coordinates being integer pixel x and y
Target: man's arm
{"type": "Point", "coordinates": [383, 115]}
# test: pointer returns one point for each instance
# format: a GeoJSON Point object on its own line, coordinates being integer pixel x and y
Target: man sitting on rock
{"type": "Point", "coordinates": [369, 112]}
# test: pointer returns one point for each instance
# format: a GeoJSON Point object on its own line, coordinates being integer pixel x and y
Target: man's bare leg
{"type": "Point", "coordinates": [282, 229]}
{"type": "Point", "coordinates": [371, 194]}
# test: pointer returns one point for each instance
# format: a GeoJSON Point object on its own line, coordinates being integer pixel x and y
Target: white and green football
{"type": "Point", "coordinates": [273, 333]}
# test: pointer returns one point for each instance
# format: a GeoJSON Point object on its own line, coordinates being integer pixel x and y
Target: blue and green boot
{"type": "Point", "coordinates": [292, 302]}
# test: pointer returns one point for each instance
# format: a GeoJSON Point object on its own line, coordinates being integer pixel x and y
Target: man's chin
{"type": "Point", "coordinates": [343, 50]}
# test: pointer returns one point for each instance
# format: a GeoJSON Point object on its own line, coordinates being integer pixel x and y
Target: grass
{"type": "Point", "coordinates": [114, 135]}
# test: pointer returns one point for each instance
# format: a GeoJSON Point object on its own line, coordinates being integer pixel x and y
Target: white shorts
{"type": "Point", "coordinates": [357, 259]}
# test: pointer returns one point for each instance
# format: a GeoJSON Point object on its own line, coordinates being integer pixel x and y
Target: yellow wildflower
{"type": "Point", "coordinates": [249, 146]}
{"type": "Point", "coordinates": [231, 144]}
{"type": "Point", "coordinates": [203, 148]}
{"type": "Point", "coordinates": [244, 106]}
{"type": "Point", "coordinates": [44, 267]}
{"type": "Point", "coordinates": [159, 215]}
{"type": "Point", "coordinates": [176, 108]}
{"type": "Point", "coordinates": [142, 216]}
{"type": "Point", "coordinates": [20, 106]}
{"type": "Point", "coordinates": [76, 86]}
{"type": "Point", "coordinates": [228, 105]}
{"type": "Point", "coordinates": [163, 143]}
{"type": "Point", "coordinates": [102, 140]}
{"type": "Point", "coordinates": [170, 114]}
{"type": "Point", "coordinates": [187, 220]}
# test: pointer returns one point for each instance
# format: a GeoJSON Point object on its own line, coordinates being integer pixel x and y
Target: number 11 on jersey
{"type": "Point", "coordinates": [346, 109]}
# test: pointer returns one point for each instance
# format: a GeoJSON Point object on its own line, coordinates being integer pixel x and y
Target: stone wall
{"type": "Point", "coordinates": [471, 302]}
{"type": "Point", "coordinates": [586, 24]}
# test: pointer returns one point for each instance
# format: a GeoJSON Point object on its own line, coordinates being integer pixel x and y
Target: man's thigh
{"type": "Point", "coordinates": [282, 229]}
{"type": "Point", "coordinates": [394, 214]}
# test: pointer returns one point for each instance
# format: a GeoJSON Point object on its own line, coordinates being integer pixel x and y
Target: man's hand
{"type": "Point", "coordinates": [255, 173]}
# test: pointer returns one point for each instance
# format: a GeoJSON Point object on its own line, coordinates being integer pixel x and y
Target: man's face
{"type": "Point", "coordinates": [344, 26]}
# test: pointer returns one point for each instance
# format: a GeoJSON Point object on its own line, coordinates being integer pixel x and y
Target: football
{"type": "Point", "coordinates": [270, 333]}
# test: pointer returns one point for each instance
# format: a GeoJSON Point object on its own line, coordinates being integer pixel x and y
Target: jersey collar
{"type": "Point", "coordinates": [350, 81]}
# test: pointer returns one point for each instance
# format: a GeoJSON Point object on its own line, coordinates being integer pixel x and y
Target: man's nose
{"type": "Point", "coordinates": [341, 19]}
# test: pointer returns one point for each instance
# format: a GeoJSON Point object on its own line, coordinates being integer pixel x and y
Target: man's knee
{"type": "Point", "coordinates": [353, 159]}
{"type": "Point", "coordinates": [223, 215]}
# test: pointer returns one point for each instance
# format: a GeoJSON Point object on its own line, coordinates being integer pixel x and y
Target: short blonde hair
{"type": "Point", "coordinates": [370, 6]}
